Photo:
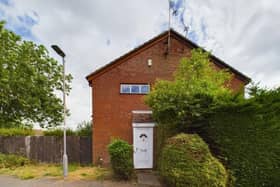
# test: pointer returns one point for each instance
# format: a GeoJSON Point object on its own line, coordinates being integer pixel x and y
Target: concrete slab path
{"type": "Point", "coordinates": [145, 178]}
{"type": "Point", "coordinates": [8, 181]}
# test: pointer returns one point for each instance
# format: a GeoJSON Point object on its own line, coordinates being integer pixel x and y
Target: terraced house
{"type": "Point", "coordinates": [118, 109]}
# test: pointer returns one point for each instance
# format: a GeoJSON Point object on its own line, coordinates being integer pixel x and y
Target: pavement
{"type": "Point", "coordinates": [9, 181]}
{"type": "Point", "coordinates": [144, 180]}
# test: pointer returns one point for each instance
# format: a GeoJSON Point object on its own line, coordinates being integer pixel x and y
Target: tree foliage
{"type": "Point", "coordinates": [29, 78]}
{"type": "Point", "coordinates": [197, 87]}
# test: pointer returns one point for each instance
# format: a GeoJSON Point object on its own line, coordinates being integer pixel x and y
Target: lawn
{"type": "Point", "coordinates": [75, 172]}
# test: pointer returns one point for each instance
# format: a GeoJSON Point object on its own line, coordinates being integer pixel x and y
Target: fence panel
{"type": "Point", "coordinates": [48, 149]}
{"type": "Point", "coordinates": [13, 145]}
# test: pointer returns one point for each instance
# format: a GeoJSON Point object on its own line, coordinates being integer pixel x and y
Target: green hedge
{"type": "Point", "coordinates": [84, 128]}
{"type": "Point", "coordinates": [59, 132]}
{"type": "Point", "coordinates": [16, 132]}
{"type": "Point", "coordinates": [10, 161]}
{"type": "Point", "coordinates": [121, 158]}
{"type": "Point", "coordinates": [187, 161]}
{"type": "Point", "coordinates": [247, 139]}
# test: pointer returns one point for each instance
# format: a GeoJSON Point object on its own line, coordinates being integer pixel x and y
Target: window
{"type": "Point", "coordinates": [125, 88]}
{"type": "Point", "coordinates": [135, 88]}
{"type": "Point", "coordinates": [145, 88]}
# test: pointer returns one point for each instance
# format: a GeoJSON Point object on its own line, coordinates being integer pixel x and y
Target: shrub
{"type": "Point", "coordinates": [59, 132]}
{"type": "Point", "coordinates": [10, 161]}
{"type": "Point", "coordinates": [84, 128]}
{"type": "Point", "coordinates": [16, 132]}
{"type": "Point", "coordinates": [121, 158]}
{"type": "Point", "coordinates": [187, 161]}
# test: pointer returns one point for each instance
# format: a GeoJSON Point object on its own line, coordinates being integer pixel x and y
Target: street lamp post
{"type": "Point", "coordinates": [65, 158]}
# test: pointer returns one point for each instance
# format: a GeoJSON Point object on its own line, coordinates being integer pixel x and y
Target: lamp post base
{"type": "Point", "coordinates": [65, 165]}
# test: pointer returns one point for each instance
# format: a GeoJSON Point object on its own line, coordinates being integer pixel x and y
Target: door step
{"type": "Point", "coordinates": [147, 178]}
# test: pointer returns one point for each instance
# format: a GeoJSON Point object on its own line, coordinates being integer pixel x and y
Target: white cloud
{"type": "Point", "coordinates": [243, 33]}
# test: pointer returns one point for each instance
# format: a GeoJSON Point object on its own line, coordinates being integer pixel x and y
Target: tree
{"type": "Point", "coordinates": [197, 87]}
{"type": "Point", "coordinates": [29, 78]}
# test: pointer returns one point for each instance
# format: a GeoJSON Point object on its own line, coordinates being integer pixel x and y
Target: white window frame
{"type": "Point", "coordinates": [130, 89]}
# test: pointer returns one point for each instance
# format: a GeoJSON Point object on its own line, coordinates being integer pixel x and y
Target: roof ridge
{"type": "Point", "coordinates": [162, 34]}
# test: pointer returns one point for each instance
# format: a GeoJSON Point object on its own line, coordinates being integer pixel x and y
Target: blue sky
{"type": "Point", "coordinates": [5, 2]}
{"type": "Point", "coordinates": [243, 33]}
{"type": "Point", "coordinates": [21, 23]}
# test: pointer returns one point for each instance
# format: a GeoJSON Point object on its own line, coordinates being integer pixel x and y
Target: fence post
{"type": "Point", "coordinates": [27, 146]}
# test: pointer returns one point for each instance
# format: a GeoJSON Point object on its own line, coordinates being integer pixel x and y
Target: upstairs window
{"type": "Point", "coordinates": [134, 88]}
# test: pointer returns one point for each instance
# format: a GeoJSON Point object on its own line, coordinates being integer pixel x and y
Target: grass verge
{"type": "Point", "coordinates": [75, 172]}
{"type": "Point", "coordinates": [22, 168]}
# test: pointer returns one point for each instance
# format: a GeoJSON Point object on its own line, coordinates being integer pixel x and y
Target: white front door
{"type": "Point", "coordinates": [143, 145]}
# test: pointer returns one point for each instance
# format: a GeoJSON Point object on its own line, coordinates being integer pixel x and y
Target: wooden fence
{"type": "Point", "coordinates": [48, 149]}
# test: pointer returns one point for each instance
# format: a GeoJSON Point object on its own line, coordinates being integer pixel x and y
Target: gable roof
{"type": "Point", "coordinates": [155, 40]}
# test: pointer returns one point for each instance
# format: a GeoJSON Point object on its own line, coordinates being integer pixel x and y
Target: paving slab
{"type": "Point", "coordinates": [147, 178]}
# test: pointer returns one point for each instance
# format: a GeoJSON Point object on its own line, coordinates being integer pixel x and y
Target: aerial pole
{"type": "Point", "coordinates": [178, 9]}
{"type": "Point", "coordinates": [169, 27]}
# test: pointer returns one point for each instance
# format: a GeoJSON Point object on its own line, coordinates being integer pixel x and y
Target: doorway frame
{"type": "Point", "coordinates": [144, 125]}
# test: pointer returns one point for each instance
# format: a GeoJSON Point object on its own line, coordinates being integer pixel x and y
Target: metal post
{"type": "Point", "coordinates": [169, 27]}
{"type": "Point", "coordinates": [65, 158]}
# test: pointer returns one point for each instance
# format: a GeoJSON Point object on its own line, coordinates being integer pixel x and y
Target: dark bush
{"type": "Point", "coordinates": [247, 139]}
{"type": "Point", "coordinates": [121, 158]}
{"type": "Point", "coordinates": [248, 145]}
{"type": "Point", "coordinates": [187, 161]}
{"type": "Point", "coordinates": [11, 161]}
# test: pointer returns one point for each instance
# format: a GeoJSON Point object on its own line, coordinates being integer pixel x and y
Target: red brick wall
{"type": "Point", "coordinates": [112, 111]}
{"type": "Point", "coordinates": [142, 118]}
